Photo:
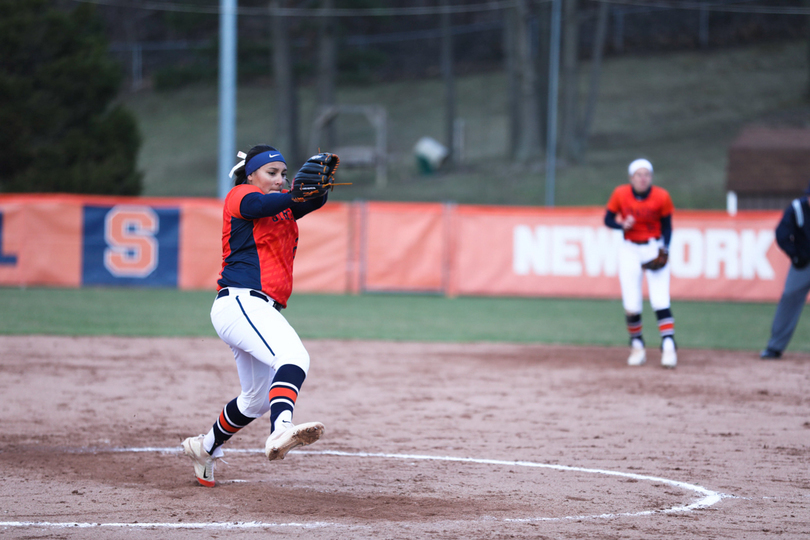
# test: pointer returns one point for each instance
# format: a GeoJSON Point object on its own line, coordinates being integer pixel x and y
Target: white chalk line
{"type": "Point", "coordinates": [709, 497]}
{"type": "Point", "coordinates": [221, 525]}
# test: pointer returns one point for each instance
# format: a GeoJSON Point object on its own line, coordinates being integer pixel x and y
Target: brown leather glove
{"type": "Point", "coordinates": [659, 262]}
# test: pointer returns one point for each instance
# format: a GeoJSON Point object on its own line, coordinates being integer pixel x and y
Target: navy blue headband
{"type": "Point", "coordinates": [262, 159]}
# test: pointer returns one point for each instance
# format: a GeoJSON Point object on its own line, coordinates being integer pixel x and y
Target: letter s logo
{"type": "Point", "coordinates": [132, 249]}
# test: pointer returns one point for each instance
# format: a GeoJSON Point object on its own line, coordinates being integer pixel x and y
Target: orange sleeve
{"type": "Point", "coordinates": [234, 198]}
{"type": "Point", "coordinates": [614, 203]}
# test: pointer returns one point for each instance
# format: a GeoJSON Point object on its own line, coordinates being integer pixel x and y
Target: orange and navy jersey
{"type": "Point", "coordinates": [647, 212]}
{"type": "Point", "coordinates": [257, 253]}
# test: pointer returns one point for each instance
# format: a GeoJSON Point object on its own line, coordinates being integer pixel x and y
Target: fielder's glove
{"type": "Point", "coordinates": [315, 178]}
{"type": "Point", "coordinates": [659, 262]}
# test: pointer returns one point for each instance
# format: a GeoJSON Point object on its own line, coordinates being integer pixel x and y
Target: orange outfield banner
{"type": "Point", "coordinates": [569, 252]}
{"type": "Point", "coordinates": [40, 242]}
{"type": "Point", "coordinates": [71, 240]}
{"type": "Point", "coordinates": [403, 247]}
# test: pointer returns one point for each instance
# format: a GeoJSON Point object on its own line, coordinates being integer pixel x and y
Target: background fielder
{"type": "Point", "coordinates": [644, 213]}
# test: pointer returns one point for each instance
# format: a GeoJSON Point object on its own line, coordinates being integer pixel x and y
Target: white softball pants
{"type": "Point", "coordinates": [261, 340]}
{"type": "Point", "coordinates": [631, 257]}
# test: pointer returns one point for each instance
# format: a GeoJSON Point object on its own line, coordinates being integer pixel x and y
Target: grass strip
{"type": "Point", "coordinates": [170, 312]}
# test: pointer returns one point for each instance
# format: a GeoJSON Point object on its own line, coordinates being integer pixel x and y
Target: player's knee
{"type": "Point", "coordinates": [300, 359]}
{"type": "Point", "coordinates": [632, 308]}
{"type": "Point", "coordinates": [253, 404]}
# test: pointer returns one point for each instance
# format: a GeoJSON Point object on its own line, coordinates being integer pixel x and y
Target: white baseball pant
{"type": "Point", "coordinates": [261, 340]}
{"type": "Point", "coordinates": [631, 257]}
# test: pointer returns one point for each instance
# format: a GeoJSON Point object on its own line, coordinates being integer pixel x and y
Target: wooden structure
{"type": "Point", "coordinates": [768, 167]}
{"type": "Point", "coordinates": [360, 156]}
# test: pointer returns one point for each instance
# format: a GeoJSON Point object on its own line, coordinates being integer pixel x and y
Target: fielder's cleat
{"type": "Point", "coordinates": [669, 356]}
{"type": "Point", "coordinates": [637, 356]}
{"type": "Point", "coordinates": [770, 354]}
{"type": "Point", "coordinates": [203, 461]}
{"type": "Point", "coordinates": [669, 359]}
{"type": "Point", "coordinates": [287, 436]}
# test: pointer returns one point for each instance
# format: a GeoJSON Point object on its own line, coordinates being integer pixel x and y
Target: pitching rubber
{"type": "Point", "coordinates": [300, 435]}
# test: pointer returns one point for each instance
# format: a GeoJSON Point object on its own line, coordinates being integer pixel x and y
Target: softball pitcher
{"type": "Point", "coordinates": [644, 213]}
{"type": "Point", "coordinates": [259, 240]}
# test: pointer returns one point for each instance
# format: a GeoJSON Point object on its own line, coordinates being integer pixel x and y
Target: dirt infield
{"type": "Point", "coordinates": [422, 441]}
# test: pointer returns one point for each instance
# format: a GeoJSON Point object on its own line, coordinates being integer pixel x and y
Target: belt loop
{"type": "Point", "coordinates": [257, 294]}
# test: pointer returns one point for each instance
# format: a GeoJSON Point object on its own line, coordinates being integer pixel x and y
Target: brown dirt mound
{"type": "Point", "coordinates": [726, 421]}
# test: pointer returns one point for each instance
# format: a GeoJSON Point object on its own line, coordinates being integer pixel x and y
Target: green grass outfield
{"type": "Point", "coordinates": [169, 312]}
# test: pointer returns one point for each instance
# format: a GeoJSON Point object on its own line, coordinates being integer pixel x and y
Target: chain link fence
{"type": "Point", "coordinates": [374, 49]}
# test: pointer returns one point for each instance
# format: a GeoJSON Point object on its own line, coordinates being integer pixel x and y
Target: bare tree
{"type": "Point", "coordinates": [543, 11]}
{"type": "Point", "coordinates": [807, 23]}
{"type": "Point", "coordinates": [327, 70]}
{"type": "Point", "coordinates": [449, 82]}
{"type": "Point", "coordinates": [577, 124]}
{"type": "Point", "coordinates": [570, 85]}
{"type": "Point", "coordinates": [512, 79]}
{"type": "Point", "coordinates": [528, 147]}
{"type": "Point", "coordinates": [581, 143]}
{"type": "Point", "coordinates": [285, 90]}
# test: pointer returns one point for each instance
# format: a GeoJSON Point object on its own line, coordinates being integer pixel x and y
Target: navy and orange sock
{"type": "Point", "coordinates": [634, 327]}
{"type": "Point", "coordinates": [284, 391]}
{"type": "Point", "coordinates": [230, 421]}
{"type": "Point", "coordinates": [666, 324]}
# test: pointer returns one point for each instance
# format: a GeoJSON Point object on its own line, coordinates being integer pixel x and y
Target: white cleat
{"type": "Point", "coordinates": [288, 436]}
{"type": "Point", "coordinates": [637, 356]}
{"type": "Point", "coordinates": [669, 359]}
{"type": "Point", "coordinates": [669, 356]}
{"type": "Point", "coordinates": [203, 461]}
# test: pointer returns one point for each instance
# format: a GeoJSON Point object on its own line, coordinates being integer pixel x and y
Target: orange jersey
{"type": "Point", "coordinates": [647, 212]}
{"type": "Point", "coordinates": [257, 253]}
